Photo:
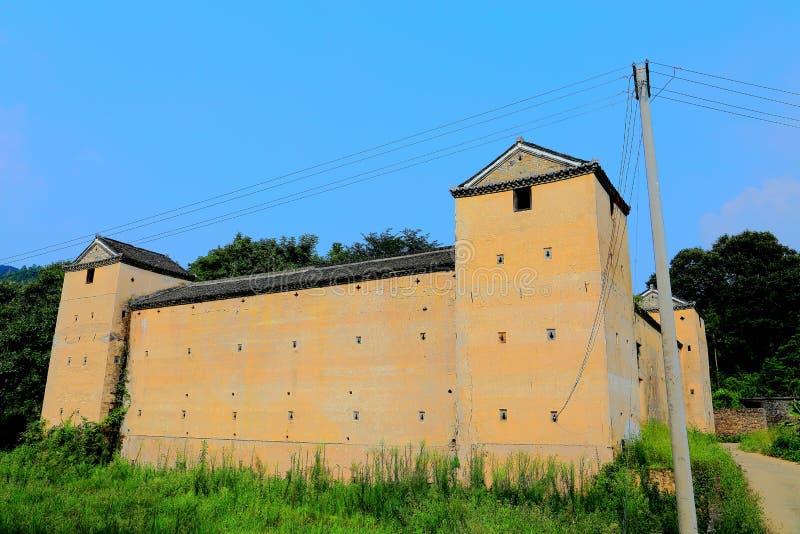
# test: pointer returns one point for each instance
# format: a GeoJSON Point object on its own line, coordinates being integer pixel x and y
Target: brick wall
{"type": "Point", "coordinates": [737, 421]}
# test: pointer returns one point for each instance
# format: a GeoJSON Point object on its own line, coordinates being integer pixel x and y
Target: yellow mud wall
{"type": "Point", "coordinates": [652, 383]}
{"type": "Point", "coordinates": [691, 332]}
{"type": "Point", "coordinates": [90, 326]}
{"type": "Point", "coordinates": [616, 326]}
{"type": "Point", "coordinates": [190, 382]}
{"type": "Point", "coordinates": [694, 368]}
{"type": "Point", "coordinates": [530, 375]}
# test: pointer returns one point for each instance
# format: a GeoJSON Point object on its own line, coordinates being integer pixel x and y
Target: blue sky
{"type": "Point", "coordinates": [110, 113]}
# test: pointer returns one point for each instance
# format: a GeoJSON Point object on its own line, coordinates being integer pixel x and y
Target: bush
{"type": "Point", "coordinates": [64, 480]}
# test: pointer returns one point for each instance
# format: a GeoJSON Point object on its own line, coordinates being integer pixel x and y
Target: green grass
{"type": "Point", "coordinates": [62, 482]}
{"type": "Point", "coordinates": [778, 441]}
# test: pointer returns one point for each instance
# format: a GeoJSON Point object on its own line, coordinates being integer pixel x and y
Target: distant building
{"type": "Point", "coordinates": [523, 336]}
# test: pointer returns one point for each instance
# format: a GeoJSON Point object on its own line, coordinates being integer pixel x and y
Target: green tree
{"type": "Point", "coordinates": [27, 321]}
{"type": "Point", "coordinates": [386, 243]}
{"type": "Point", "coordinates": [745, 287]}
{"type": "Point", "coordinates": [244, 256]}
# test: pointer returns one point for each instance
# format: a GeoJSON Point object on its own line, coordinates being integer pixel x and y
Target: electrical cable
{"type": "Point", "coordinates": [785, 91]}
{"type": "Point", "coordinates": [728, 89]}
{"type": "Point", "coordinates": [335, 160]}
{"type": "Point", "coordinates": [730, 105]}
{"type": "Point", "coordinates": [730, 112]}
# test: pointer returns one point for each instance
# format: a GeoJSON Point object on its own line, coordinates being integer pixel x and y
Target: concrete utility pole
{"type": "Point", "coordinates": [682, 467]}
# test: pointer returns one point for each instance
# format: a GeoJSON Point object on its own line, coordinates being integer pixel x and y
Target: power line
{"type": "Point", "coordinates": [312, 191]}
{"type": "Point", "coordinates": [784, 102]}
{"type": "Point", "coordinates": [79, 239]}
{"type": "Point", "coordinates": [729, 105]}
{"type": "Point", "coordinates": [730, 112]}
{"type": "Point", "coordinates": [254, 208]}
{"type": "Point", "coordinates": [130, 227]}
{"type": "Point", "coordinates": [615, 243]}
{"type": "Point", "coordinates": [717, 76]}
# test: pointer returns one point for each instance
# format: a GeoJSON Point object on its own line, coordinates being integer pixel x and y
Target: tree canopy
{"type": "Point", "coordinates": [746, 288]}
{"type": "Point", "coordinates": [245, 255]}
{"type": "Point", "coordinates": [27, 320]}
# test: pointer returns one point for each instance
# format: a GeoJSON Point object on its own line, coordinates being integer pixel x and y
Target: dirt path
{"type": "Point", "coordinates": [778, 483]}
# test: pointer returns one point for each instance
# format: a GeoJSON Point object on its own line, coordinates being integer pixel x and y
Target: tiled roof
{"type": "Point", "coordinates": [434, 261]}
{"type": "Point", "coordinates": [134, 256]}
{"type": "Point", "coordinates": [573, 167]}
{"type": "Point", "coordinates": [649, 301]}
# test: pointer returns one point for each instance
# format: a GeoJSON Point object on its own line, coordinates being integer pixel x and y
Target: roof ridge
{"type": "Point", "coordinates": [104, 238]}
{"type": "Point", "coordinates": [320, 267]}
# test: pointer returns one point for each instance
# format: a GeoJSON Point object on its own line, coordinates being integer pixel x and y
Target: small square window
{"type": "Point", "coordinates": [90, 276]}
{"type": "Point", "coordinates": [421, 416]}
{"type": "Point", "coordinates": [691, 392]}
{"type": "Point", "coordinates": [146, 353]}
{"type": "Point", "coordinates": [548, 253]}
{"type": "Point", "coordinates": [76, 318]}
{"type": "Point", "coordinates": [522, 199]}
{"type": "Point", "coordinates": [189, 350]}
{"type": "Point", "coordinates": [358, 340]}
{"type": "Point", "coordinates": [422, 336]}
{"type": "Point", "coordinates": [123, 314]}
{"type": "Point", "coordinates": [291, 415]}
{"type": "Point", "coordinates": [234, 415]}
{"type": "Point", "coordinates": [501, 337]}
{"type": "Point", "coordinates": [294, 344]}
{"type": "Point", "coordinates": [501, 259]}
{"type": "Point", "coordinates": [116, 360]}
{"type": "Point", "coordinates": [503, 414]}
{"type": "Point", "coordinates": [689, 348]}
{"type": "Point", "coordinates": [183, 414]}
{"type": "Point", "coordinates": [356, 415]}
{"type": "Point", "coordinates": [551, 334]}
{"type": "Point", "coordinates": [139, 413]}
{"type": "Point", "coordinates": [239, 347]}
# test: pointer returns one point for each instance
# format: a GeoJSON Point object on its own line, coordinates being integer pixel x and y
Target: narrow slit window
{"type": "Point", "coordinates": [358, 340]}
{"type": "Point", "coordinates": [189, 350]}
{"type": "Point", "coordinates": [139, 413]}
{"type": "Point", "coordinates": [689, 348]}
{"type": "Point", "coordinates": [501, 337]}
{"type": "Point", "coordinates": [294, 344]}
{"type": "Point", "coordinates": [356, 415]}
{"type": "Point", "coordinates": [183, 414]}
{"type": "Point", "coordinates": [61, 411]}
{"type": "Point", "coordinates": [90, 276]}
{"type": "Point", "coordinates": [69, 362]}
{"type": "Point", "coordinates": [503, 414]}
{"type": "Point", "coordinates": [522, 199]}
{"type": "Point", "coordinates": [239, 347]}
{"type": "Point", "coordinates": [291, 415]}
{"type": "Point", "coordinates": [234, 415]}
{"type": "Point", "coordinates": [124, 313]}
{"type": "Point", "coordinates": [422, 336]}
{"type": "Point", "coordinates": [421, 416]}
{"type": "Point", "coordinates": [85, 360]}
